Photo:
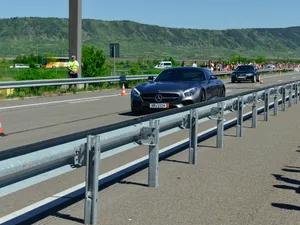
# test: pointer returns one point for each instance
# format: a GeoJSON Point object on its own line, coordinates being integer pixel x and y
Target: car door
{"type": "Point", "coordinates": [212, 90]}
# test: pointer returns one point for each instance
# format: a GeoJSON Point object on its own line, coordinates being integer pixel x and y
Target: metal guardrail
{"type": "Point", "coordinates": [79, 149]}
{"type": "Point", "coordinates": [57, 82]}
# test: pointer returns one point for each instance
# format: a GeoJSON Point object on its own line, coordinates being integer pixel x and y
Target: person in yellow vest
{"type": "Point", "coordinates": [73, 67]}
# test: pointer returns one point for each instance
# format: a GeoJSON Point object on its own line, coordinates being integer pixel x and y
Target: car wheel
{"type": "Point", "coordinates": [202, 96]}
{"type": "Point", "coordinates": [258, 80]}
{"type": "Point", "coordinates": [223, 92]}
{"type": "Point", "coordinates": [253, 79]}
{"type": "Point", "coordinates": [232, 80]}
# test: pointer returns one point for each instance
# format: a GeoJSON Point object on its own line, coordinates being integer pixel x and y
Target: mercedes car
{"type": "Point", "coordinates": [175, 88]}
{"type": "Point", "coordinates": [245, 73]}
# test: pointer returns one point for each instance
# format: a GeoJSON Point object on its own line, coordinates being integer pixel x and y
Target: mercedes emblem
{"type": "Point", "coordinates": [158, 98]}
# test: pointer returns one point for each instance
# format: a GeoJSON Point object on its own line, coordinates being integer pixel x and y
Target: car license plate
{"type": "Point", "coordinates": [159, 105]}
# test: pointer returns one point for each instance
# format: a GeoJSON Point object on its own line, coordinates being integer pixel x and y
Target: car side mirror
{"type": "Point", "coordinates": [213, 77]}
{"type": "Point", "coordinates": [151, 78]}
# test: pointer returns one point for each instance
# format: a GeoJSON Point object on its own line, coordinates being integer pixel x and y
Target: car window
{"type": "Point", "coordinates": [244, 68]}
{"type": "Point", "coordinates": [181, 75]}
{"type": "Point", "coordinates": [208, 74]}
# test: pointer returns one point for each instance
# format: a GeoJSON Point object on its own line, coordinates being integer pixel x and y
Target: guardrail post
{"type": "Point", "coordinates": [290, 95]}
{"type": "Point", "coordinates": [266, 108]}
{"type": "Point", "coordinates": [254, 110]}
{"type": "Point", "coordinates": [276, 102]}
{"type": "Point", "coordinates": [220, 125]}
{"type": "Point", "coordinates": [296, 92]}
{"type": "Point", "coordinates": [239, 127]}
{"type": "Point", "coordinates": [153, 155]}
{"type": "Point", "coordinates": [283, 106]}
{"type": "Point", "coordinates": [193, 136]}
{"type": "Point", "coordinates": [91, 178]}
{"type": "Point", "coordinates": [150, 136]}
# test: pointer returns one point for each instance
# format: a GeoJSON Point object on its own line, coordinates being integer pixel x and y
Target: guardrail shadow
{"type": "Point", "coordinates": [175, 161]}
{"type": "Point", "coordinates": [286, 206]}
{"type": "Point", "coordinates": [67, 217]}
{"type": "Point", "coordinates": [288, 186]}
{"type": "Point", "coordinates": [132, 183]}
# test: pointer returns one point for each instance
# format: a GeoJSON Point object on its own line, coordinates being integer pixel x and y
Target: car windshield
{"type": "Point", "coordinates": [180, 75]}
{"type": "Point", "coordinates": [244, 68]}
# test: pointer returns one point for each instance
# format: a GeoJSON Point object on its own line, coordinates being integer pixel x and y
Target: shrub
{"type": "Point", "coordinates": [93, 61]}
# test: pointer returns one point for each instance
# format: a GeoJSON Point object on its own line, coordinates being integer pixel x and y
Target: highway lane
{"type": "Point", "coordinates": [31, 120]}
{"type": "Point", "coordinates": [39, 191]}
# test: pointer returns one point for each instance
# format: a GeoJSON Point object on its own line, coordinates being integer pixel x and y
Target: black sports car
{"type": "Point", "coordinates": [244, 73]}
{"type": "Point", "coordinates": [175, 88]}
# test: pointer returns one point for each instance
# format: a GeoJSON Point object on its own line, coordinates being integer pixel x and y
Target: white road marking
{"type": "Point", "coordinates": [57, 102]}
{"type": "Point", "coordinates": [279, 81]}
{"type": "Point", "coordinates": [93, 99]}
{"type": "Point", "coordinates": [294, 77]}
{"type": "Point", "coordinates": [229, 90]}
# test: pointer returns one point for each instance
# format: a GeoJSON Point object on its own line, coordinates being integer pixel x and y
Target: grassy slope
{"type": "Point", "coordinates": [22, 35]}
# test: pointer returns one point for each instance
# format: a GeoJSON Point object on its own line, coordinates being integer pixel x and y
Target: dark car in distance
{"type": "Point", "coordinates": [175, 88]}
{"type": "Point", "coordinates": [245, 73]}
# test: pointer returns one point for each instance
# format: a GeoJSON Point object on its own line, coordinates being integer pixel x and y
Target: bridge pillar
{"type": "Point", "coordinates": [75, 30]}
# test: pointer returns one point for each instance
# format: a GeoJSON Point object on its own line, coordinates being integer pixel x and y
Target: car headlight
{"type": "Point", "coordinates": [189, 92]}
{"type": "Point", "coordinates": [136, 93]}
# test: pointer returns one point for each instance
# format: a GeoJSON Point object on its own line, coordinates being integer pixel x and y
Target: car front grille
{"type": "Point", "coordinates": [166, 97]}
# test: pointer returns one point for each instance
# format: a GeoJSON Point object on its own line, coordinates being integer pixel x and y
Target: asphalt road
{"type": "Point", "coordinates": [32, 120]}
{"type": "Point", "coordinates": [40, 191]}
{"type": "Point", "coordinates": [242, 184]}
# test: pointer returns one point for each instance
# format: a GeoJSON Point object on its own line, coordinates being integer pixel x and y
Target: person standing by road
{"type": "Point", "coordinates": [195, 64]}
{"type": "Point", "coordinates": [73, 67]}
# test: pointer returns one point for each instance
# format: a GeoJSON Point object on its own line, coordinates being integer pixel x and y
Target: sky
{"type": "Point", "coordinates": [197, 14]}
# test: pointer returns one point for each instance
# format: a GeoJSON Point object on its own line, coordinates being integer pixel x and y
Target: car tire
{"type": "Point", "coordinates": [232, 80]}
{"type": "Point", "coordinates": [202, 96]}
{"type": "Point", "coordinates": [223, 92]}
{"type": "Point", "coordinates": [253, 79]}
{"type": "Point", "coordinates": [258, 80]}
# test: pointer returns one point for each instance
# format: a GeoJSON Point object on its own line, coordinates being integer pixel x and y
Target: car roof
{"type": "Point", "coordinates": [185, 67]}
{"type": "Point", "coordinates": [246, 65]}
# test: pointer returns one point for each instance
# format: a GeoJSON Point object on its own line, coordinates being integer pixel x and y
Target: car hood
{"type": "Point", "coordinates": [156, 87]}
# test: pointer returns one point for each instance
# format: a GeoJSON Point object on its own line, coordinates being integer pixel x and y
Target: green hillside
{"type": "Point", "coordinates": [26, 35]}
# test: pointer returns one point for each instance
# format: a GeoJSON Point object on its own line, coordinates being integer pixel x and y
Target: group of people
{"type": "Point", "coordinates": [193, 65]}
{"type": "Point", "coordinates": [223, 66]}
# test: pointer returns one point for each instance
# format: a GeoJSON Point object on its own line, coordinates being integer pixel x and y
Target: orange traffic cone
{"type": "Point", "coordinates": [1, 129]}
{"type": "Point", "coordinates": [123, 93]}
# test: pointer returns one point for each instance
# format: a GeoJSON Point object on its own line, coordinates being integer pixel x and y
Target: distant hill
{"type": "Point", "coordinates": [23, 35]}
